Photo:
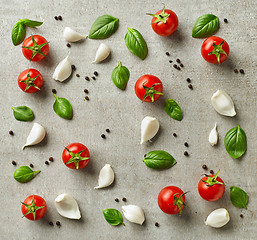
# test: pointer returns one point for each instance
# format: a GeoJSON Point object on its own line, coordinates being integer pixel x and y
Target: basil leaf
{"type": "Point", "coordinates": [238, 197]}
{"type": "Point", "coordinates": [159, 160]}
{"type": "Point", "coordinates": [103, 27]}
{"type": "Point", "coordinates": [23, 113]}
{"type": "Point", "coordinates": [120, 76]}
{"type": "Point", "coordinates": [113, 216]}
{"type": "Point", "coordinates": [62, 108]}
{"type": "Point", "coordinates": [235, 142]}
{"type": "Point", "coordinates": [136, 43]}
{"type": "Point", "coordinates": [31, 23]}
{"type": "Point", "coordinates": [205, 26]}
{"type": "Point", "coordinates": [18, 33]}
{"type": "Point", "coordinates": [173, 109]}
{"type": "Point", "coordinates": [24, 174]}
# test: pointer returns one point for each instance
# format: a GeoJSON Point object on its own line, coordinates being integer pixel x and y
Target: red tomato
{"type": "Point", "coordinates": [211, 187]}
{"type": "Point", "coordinates": [30, 80]}
{"type": "Point", "coordinates": [34, 207]}
{"type": "Point", "coordinates": [215, 50]}
{"type": "Point", "coordinates": [76, 156]}
{"type": "Point", "coordinates": [148, 88]}
{"type": "Point", "coordinates": [35, 48]}
{"type": "Point", "coordinates": [171, 200]}
{"type": "Point", "coordinates": [164, 22]}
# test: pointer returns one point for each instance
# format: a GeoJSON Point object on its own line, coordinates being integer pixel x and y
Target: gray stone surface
{"type": "Point", "coordinates": [122, 112]}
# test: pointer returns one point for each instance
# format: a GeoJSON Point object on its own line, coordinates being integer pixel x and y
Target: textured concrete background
{"type": "Point", "coordinates": [122, 112]}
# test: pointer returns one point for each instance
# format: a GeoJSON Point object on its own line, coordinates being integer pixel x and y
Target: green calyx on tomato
{"type": "Point", "coordinates": [150, 91]}
{"type": "Point", "coordinates": [162, 17]}
{"type": "Point", "coordinates": [36, 49]}
{"type": "Point", "coordinates": [75, 158]}
{"type": "Point", "coordinates": [212, 180]}
{"type": "Point", "coordinates": [178, 201]}
{"type": "Point", "coordinates": [217, 50]}
{"type": "Point", "coordinates": [32, 208]}
{"type": "Point", "coordinates": [30, 82]}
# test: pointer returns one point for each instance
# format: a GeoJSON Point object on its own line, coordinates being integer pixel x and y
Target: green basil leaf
{"type": "Point", "coordinates": [31, 23]}
{"type": "Point", "coordinates": [205, 26]}
{"type": "Point", "coordinates": [23, 113]}
{"type": "Point", "coordinates": [235, 142]}
{"type": "Point", "coordinates": [136, 43]}
{"type": "Point", "coordinates": [113, 216]}
{"type": "Point", "coordinates": [159, 160]}
{"type": "Point", "coordinates": [173, 109]}
{"type": "Point", "coordinates": [24, 174]}
{"type": "Point", "coordinates": [238, 197]}
{"type": "Point", "coordinates": [120, 76]}
{"type": "Point", "coordinates": [103, 27]}
{"type": "Point", "coordinates": [63, 108]}
{"type": "Point", "coordinates": [18, 33]}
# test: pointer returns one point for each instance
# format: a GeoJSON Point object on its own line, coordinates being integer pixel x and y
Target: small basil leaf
{"type": "Point", "coordinates": [103, 27]}
{"type": "Point", "coordinates": [23, 113]}
{"type": "Point", "coordinates": [238, 197]}
{"type": "Point", "coordinates": [159, 160]}
{"type": "Point", "coordinates": [62, 108]}
{"type": "Point", "coordinates": [120, 76]}
{"type": "Point", "coordinates": [173, 109]}
{"type": "Point", "coordinates": [136, 43]}
{"type": "Point", "coordinates": [24, 174]}
{"type": "Point", "coordinates": [205, 26]}
{"type": "Point", "coordinates": [113, 216]}
{"type": "Point", "coordinates": [18, 33]}
{"type": "Point", "coordinates": [235, 142]}
{"type": "Point", "coordinates": [31, 23]}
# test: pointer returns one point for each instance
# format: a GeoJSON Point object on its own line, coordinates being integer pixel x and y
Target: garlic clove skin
{"type": "Point", "coordinates": [63, 70]}
{"type": "Point", "coordinates": [149, 128]}
{"type": "Point", "coordinates": [223, 103]}
{"type": "Point", "coordinates": [102, 53]}
{"type": "Point", "coordinates": [106, 177]}
{"type": "Point", "coordinates": [218, 218]}
{"type": "Point", "coordinates": [36, 135]}
{"type": "Point", "coordinates": [213, 136]}
{"type": "Point", "coordinates": [67, 206]}
{"type": "Point", "coordinates": [133, 214]}
{"type": "Point", "coordinates": [72, 36]}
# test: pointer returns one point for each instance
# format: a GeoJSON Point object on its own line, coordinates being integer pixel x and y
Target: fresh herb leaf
{"type": "Point", "coordinates": [120, 76]}
{"type": "Point", "coordinates": [62, 108]}
{"type": "Point", "coordinates": [24, 174]}
{"type": "Point", "coordinates": [31, 23]}
{"type": "Point", "coordinates": [173, 109]}
{"type": "Point", "coordinates": [113, 216]}
{"type": "Point", "coordinates": [18, 33]}
{"type": "Point", "coordinates": [238, 197]}
{"type": "Point", "coordinates": [23, 113]}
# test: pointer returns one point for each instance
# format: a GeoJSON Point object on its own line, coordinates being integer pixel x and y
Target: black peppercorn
{"type": "Point", "coordinates": [93, 78]}
{"type": "Point", "coordinates": [56, 18]}
{"type": "Point", "coordinates": [124, 199]}
{"type": "Point", "coordinates": [178, 68]}
{"type": "Point", "coordinates": [51, 159]}
{"type": "Point", "coordinates": [204, 167]}
{"type": "Point", "coordinates": [13, 163]}
{"type": "Point", "coordinates": [225, 20]}
{"type": "Point", "coordinates": [31, 165]}
{"type": "Point", "coordinates": [85, 91]}
{"type": "Point", "coordinates": [145, 155]}
{"type": "Point", "coordinates": [73, 67]}
{"type": "Point", "coordinates": [60, 18]}
{"type": "Point", "coordinates": [188, 80]}
{"type": "Point", "coordinates": [186, 144]}
{"type": "Point", "coordinates": [116, 200]}
{"type": "Point", "coordinates": [51, 223]}
{"type": "Point", "coordinates": [235, 71]}
{"type": "Point", "coordinates": [54, 91]}
{"type": "Point", "coordinates": [68, 45]}
{"type": "Point", "coordinates": [211, 172]}
{"type": "Point", "coordinates": [175, 66]}
{"type": "Point", "coordinates": [174, 134]}
{"type": "Point", "coordinates": [77, 75]}
{"type": "Point", "coordinates": [102, 136]}
{"type": "Point", "coordinates": [156, 224]}
{"type": "Point", "coordinates": [167, 53]}
{"type": "Point", "coordinates": [58, 223]}
{"type": "Point", "coordinates": [181, 65]}
{"type": "Point", "coordinates": [11, 132]}
{"type": "Point", "coordinates": [242, 71]}
{"type": "Point", "coordinates": [190, 86]}
{"type": "Point", "coordinates": [241, 215]}
{"type": "Point", "coordinates": [87, 98]}
{"type": "Point", "coordinates": [95, 73]}
{"type": "Point", "coordinates": [46, 162]}
{"type": "Point", "coordinates": [87, 78]}
{"type": "Point", "coordinates": [170, 61]}
{"type": "Point", "coordinates": [107, 130]}
{"type": "Point", "coordinates": [178, 60]}
{"type": "Point", "coordinates": [186, 153]}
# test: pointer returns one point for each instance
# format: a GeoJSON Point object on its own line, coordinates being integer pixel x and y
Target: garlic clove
{"type": "Point", "coordinates": [36, 135]}
{"type": "Point", "coordinates": [149, 128]}
{"type": "Point", "coordinates": [72, 36]}
{"type": "Point", "coordinates": [106, 177]}
{"type": "Point", "coordinates": [133, 214]}
{"type": "Point", "coordinates": [67, 206]}
{"type": "Point", "coordinates": [102, 53]}
{"type": "Point", "coordinates": [223, 103]}
{"type": "Point", "coordinates": [213, 136]}
{"type": "Point", "coordinates": [63, 70]}
{"type": "Point", "coordinates": [218, 218]}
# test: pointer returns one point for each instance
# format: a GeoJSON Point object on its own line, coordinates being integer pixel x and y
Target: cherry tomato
{"type": "Point", "coordinates": [211, 187]}
{"type": "Point", "coordinates": [34, 207]}
{"type": "Point", "coordinates": [35, 48]}
{"type": "Point", "coordinates": [164, 22]}
{"type": "Point", "coordinates": [76, 156]}
{"type": "Point", "coordinates": [30, 80]}
{"type": "Point", "coordinates": [215, 50]}
{"type": "Point", "coordinates": [148, 88]}
{"type": "Point", "coordinates": [171, 200]}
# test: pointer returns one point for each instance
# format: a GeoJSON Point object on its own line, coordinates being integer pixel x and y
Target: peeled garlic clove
{"type": "Point", "coordinates": [149, 128]}
{"type": "Point", "coordinates": [102, 53]}
{"type": "Point", "coordinates": [223, 103]}
{"type": "Point", "coordinates": [36, 135]}
{"type": "Point", "coordinates": [72, 36]}
{"type": "Point", "coordinates": [213, 136]}
{"type": "Point", "coordinates": [67, 206]}
{"type": "Point", "coordinates": [63, 70]}
{"type": "Point", "coordinates": [133, 214]}
{"type": "Point", "coordinates": [106, 177]}
{"type": "Point", "coordinates": [218, 218]}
